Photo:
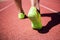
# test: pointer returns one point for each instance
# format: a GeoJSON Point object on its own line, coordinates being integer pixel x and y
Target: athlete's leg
{"type": "Point", "coordinates": [19, 4]}
{"type": "Point", "coordinates": [21, 14]}
{"type": "Point", "coordinates": [35, 3]}
{"type": "Point", "coordinates": [34, 15]}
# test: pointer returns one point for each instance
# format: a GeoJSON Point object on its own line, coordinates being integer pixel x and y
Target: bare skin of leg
{"type": "Point", "coordinates": [19, 4]}
{"type": "Point", "coordinates": [21, 15]}
{"type": "Point", "coordinates": [35, 3]}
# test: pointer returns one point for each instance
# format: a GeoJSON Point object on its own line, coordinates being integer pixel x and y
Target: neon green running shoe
{"type": "Point", "coordinates": [22, 15]}
{"type": "Point", "coordinates": [35, 18]}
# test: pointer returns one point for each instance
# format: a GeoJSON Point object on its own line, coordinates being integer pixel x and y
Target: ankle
{"type": "Point", "coordinates": [21, 11]}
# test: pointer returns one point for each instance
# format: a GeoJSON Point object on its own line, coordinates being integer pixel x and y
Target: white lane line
{"type": "Point", "coordinates": [6, 7]}
{"type": "Point", "coordinates": [48, 8]}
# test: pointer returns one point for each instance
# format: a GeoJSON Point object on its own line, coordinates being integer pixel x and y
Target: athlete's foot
{"type": "Point", "coordinates": [22, 15]}
{"type": "Point", "coordinates": [35, 18]}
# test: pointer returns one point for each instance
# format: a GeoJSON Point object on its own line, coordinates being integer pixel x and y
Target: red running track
{"type": "Point", "coordinates": [12, 28]}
